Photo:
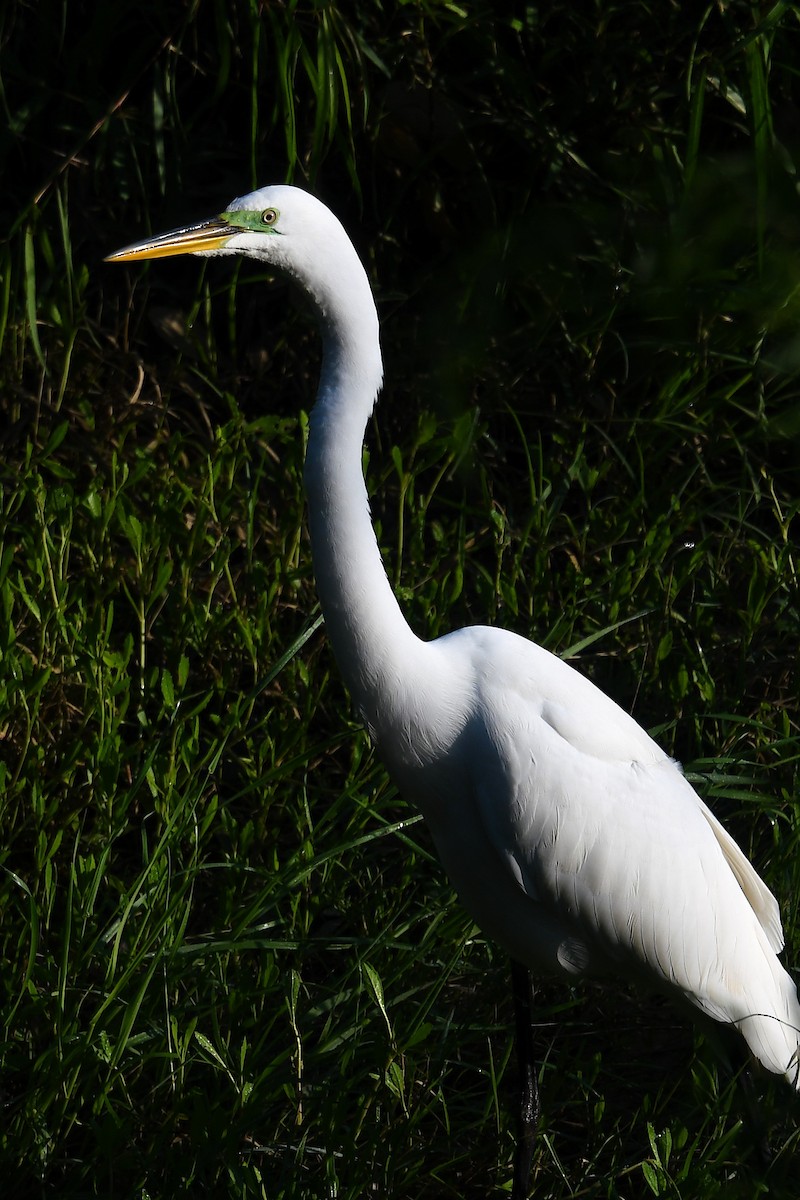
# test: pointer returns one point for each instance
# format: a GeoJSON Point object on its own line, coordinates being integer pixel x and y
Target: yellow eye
{"type": "Point", "coordinates": [269, 216]}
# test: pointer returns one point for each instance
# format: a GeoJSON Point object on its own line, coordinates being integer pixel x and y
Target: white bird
{"type": "Point", "coordinates": [570, 837]}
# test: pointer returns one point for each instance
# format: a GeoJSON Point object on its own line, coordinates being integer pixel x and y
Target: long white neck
{"type": "Point", "coordinates": [373, 644]}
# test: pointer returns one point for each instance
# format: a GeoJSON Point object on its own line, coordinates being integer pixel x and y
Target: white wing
{"type": "Point", "coordinates": [583, 848]}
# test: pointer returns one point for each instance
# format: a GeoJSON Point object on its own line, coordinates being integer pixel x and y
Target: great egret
{"type": "Point", "coordinates": [570, 836]}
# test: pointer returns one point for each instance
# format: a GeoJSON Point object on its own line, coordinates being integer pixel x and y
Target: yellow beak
{"type": "Point", "coordinates": [207, 235]}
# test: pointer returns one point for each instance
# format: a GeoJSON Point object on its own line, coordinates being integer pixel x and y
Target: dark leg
{"type": "Point", "coordinates": [730, 1048]}
{"type": "Point", "coordinates": [754, 1105]}
{"type": "Point", "coordinates": [528, 1085]}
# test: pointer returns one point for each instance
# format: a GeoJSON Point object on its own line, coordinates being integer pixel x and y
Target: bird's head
{"type": "Point", "coordinates": [254, 225]}
{"type": "Point", "coordinates": [285, 227]}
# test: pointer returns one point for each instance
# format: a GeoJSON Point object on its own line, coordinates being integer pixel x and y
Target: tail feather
{"type": "Point", "coordinates": [772, 1030]}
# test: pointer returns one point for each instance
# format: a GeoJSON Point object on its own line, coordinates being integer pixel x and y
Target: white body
{"type": "Point", "coordinates": [569, 835]}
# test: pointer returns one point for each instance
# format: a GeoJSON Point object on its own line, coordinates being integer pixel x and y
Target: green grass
{"type": "Point", "coordinates": [231, 962]}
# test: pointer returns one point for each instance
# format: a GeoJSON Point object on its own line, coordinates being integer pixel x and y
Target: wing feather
{"type": "Point", "coordinates": [761, 899]}
{"type": "Point", "coordinates": [576, 842]}
{"type": "Point", "coordinates": [603, 829]}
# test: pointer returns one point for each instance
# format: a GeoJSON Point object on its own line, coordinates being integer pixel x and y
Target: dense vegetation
{"type": "Point", "coordinates": [231, 964]}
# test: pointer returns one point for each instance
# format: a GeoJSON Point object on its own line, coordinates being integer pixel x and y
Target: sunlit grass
{"type": "Point", "coordinates": [231, 962]}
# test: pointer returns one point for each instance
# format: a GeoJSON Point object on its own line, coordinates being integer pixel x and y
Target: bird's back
{"type": "Point", "coordinates": [578, 844]}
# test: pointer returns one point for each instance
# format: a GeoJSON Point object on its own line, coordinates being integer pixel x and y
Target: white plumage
{"type": "Point", "coordinates": [569, 835]}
